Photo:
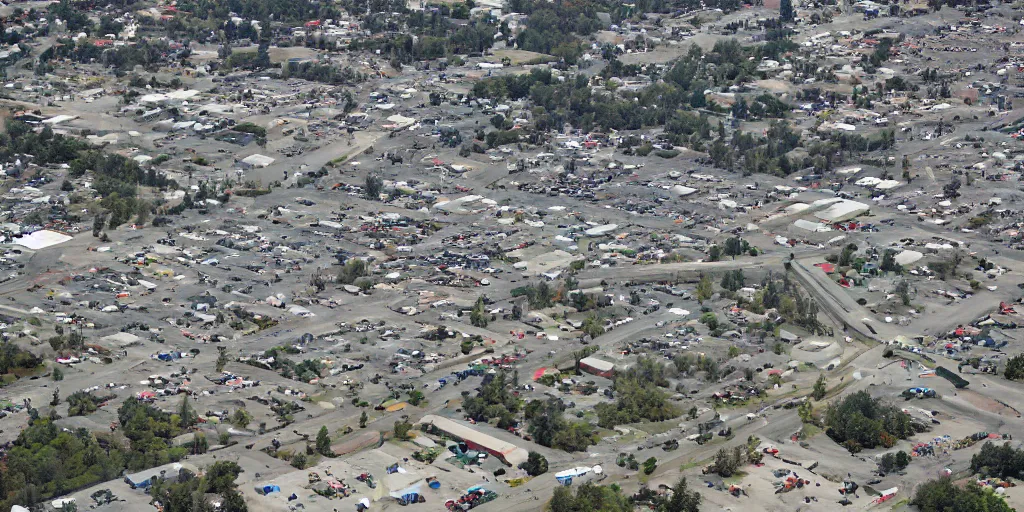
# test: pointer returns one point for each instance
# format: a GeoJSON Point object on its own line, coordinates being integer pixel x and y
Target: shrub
{"type": "Point", "coordinates": [536, 464]}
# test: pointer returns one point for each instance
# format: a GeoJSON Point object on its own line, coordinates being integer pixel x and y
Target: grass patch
{"type": "Point", "coordinates": [736, 478]}
{"type": "Point", "coordinates": [910, 356]}
{"type": "Point", "coordinates": [655, 428]}
{"type": "Point", "coordinates": [28, 372]}
{"type": "Point", "coordinates": [808, 431]}
{"type": "Point", "coordinates": [338, 161]}
{"type": "Point", "coordinates": [757, 401]}
{"type": "Point", "coordinates": [696, 464]}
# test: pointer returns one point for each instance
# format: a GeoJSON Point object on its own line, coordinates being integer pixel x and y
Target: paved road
{"type": "Point", "coordinates": [837, 304]}
{"type": "Point", "coordinates": [680, 271]}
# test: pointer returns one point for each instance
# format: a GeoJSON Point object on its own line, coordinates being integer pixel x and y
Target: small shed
{"type": "Point", "coordinates": [144, 479]}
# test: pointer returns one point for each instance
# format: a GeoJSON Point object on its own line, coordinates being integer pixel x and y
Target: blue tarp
{"type": "Point", "coordinates": [267, 489]}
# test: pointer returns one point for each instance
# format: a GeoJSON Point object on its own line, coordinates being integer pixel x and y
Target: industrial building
{"type": "Point", "coordinates": [508, 453]}
{"type": "Point", "coordinates": [599, 367]}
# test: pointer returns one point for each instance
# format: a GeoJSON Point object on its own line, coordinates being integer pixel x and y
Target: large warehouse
{"type": "Point", "coordinates": [508, 453]}
{"type": "Point", "coordinates": [598, 367]}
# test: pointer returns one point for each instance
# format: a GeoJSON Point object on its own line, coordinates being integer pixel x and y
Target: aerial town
{"type": "Point", "coordinates": [511, 255]}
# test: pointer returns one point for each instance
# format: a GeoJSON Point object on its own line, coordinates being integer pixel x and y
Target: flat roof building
{"type": "Point", "coordinates": [144, 479]}
{"type": "Point", "coordinates": [508, 453]}
{"type": "Point", "coordinates": [599, 367]}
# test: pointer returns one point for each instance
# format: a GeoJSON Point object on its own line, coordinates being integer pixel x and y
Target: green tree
{"type": "Point", "coordinates": [353, 269]}
{"type": "Point", "coordinates": [728, 461]}
{"type": "Point", "coordinates": [200, 444]}
{"type": "Point", "coordinates": [902, 460]}
{"type": "Point", "coordinates": [806, 412]}
{"type": "Point", "coordinates": [551, 429]}
{"type": "Point", "coordinates": [590, 498]}
{"type": "Point", "coordinates": [705, 289]}
{"type": "Point", "coordinates": [222, 359]}
{"type": "Point", "coordinates": [733, 247]}
{"type": "Point", "coordinates": [650, 465]}
{"type": "Point", "coordinates": [889, 262]}
{"type": "Point", "coordinates": [681, 500]}
{"type": "Point", "coordinates": [846, 256]}
{"type": "Point", "coordinates": [536, 464]}
{"type": "Point", "coordinates": [416, 397]}
{"type": "Point", "coordinates": [942, 495]}
{"type": "Point", "coordinates": [323, 443]}
{"type": "Point", "coordinates": [820, 388]}
{"type": "Point", "coordinates": [402, 429]}
{"type": "Point", "coordinates": [593, 326]}
{"type": "Point", "coordinates": [241, 418]}
{"type": "Point", "coordinates": [189, 494]}
{"type": "Point", "coordinates": [363, 418]}
{"type": "Point", "coordinates": [709, 319]}
{"type": "Point", "coordinates": [637, 396]}
{"type": "Point", "coordinates": [81, 403]}
{"type": "Point", "coordinates": [887, 463]}
{"type": "Point", "coordinates": [1014, 368]}
{"type": "Point", "coordinates": [786, 12]}
{"type": "Point", "coordinates": [859, 421]}
{"type": "Point", "coordinates": [57, 375]}
{"type": "Point", "coordinates": [233, 502]}
{"type": "Point", "coordinates": [733, 280]}
{"type": "Point", "coordinates": [903, 291]}
{"type": "Point", "coordinates": [478, 317]}
{"type": "Point", "coordinates": [1002, 461]}
{"type": "Point", "coordinates": [299, 460]}
{"type": "Point", "coordinates": [373, 187]}
{"type": "Point", "coordinates": [186, 414]}
{"type": "Point", "coordinates": [714, 253]}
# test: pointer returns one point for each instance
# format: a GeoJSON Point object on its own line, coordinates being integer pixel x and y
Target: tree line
{"type": "Point", "coordinates": [46, 461]}
{"type": "Point", "coordinates": [638, 396]}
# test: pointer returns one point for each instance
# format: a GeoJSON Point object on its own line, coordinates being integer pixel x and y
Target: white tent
{"type": "Point", "coordinates": [908, 257]}
{"type": "Point", "coordinates": [257, 160]}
